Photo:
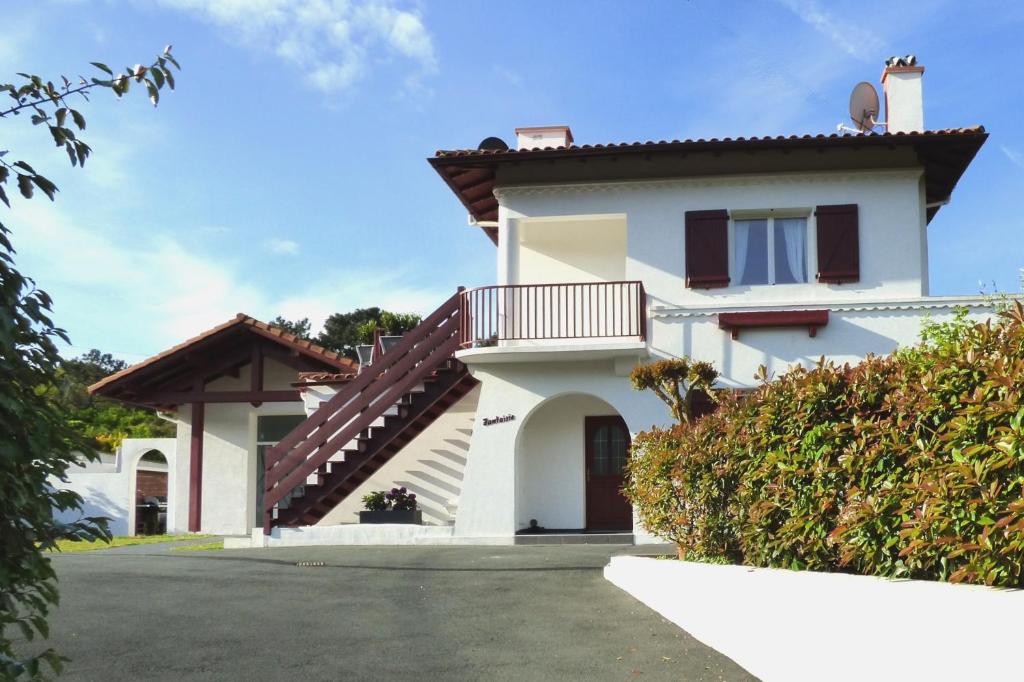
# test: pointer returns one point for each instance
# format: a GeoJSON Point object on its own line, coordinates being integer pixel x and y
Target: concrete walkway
{"type": "Point", "coordinates": [369, 613]}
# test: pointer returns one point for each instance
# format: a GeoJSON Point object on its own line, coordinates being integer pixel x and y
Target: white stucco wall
{"type": "Point", "coordinates": [229, 453]}
{"type": "Point", "coordinates": [550, 462]}
{"type": "Point", "coordinates": [892, 256]}
{"type": "Point", "coordinates": [107, 487]}
{"type": "Point", "coordinates": [489, 505]}
{"type": "Point", "coordinates": [853, 331]}
{"type": "Point", "coordinates": [590, 249]}
{"type": "Point", "coordinates": [431, 466]}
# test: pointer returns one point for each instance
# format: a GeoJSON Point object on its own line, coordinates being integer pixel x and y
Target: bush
{"type": "Point", "coordinates": [909, 465]}
{"type": "Point", "coordinates": [398, 499]}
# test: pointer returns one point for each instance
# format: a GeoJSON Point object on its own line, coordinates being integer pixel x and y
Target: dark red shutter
{"type": "Point", "coordinates": [707, 249]}
{"type": "Point", "coordinates": [701, 404]}
{"type": "Point", "coordinates": [838, 244]}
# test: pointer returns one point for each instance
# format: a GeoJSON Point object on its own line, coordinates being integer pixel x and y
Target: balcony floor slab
{"type": "Point", "coordinates": [548, 351]}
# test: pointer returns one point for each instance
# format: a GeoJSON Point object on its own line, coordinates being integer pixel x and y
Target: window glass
{"type": "Point", "coordinates": [611, 448]}
{"type": "Point", "coordinates": [790, 250]}
{"type": "Point", "coordinates": [751, 251]}
{"type": "Point", "coordinates": [273, 428]}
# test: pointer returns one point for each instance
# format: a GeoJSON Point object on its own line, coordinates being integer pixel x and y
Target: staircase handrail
{"type": "Point", "coordinates": [361, 401]}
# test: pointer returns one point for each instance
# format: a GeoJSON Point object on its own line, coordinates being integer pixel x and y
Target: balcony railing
{"type": "Point", "coordinates": [539, 312]}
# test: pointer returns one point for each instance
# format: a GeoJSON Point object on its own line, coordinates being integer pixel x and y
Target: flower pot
{"type": "Point", "coordinates": [412, 516]}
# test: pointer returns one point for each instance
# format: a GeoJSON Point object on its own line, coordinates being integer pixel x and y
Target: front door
{"type": "Point", "coordinates": [607, 449]}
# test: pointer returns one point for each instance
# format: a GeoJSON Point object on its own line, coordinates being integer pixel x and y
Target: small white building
{"type": "Point", "coordinates": [510, 406]}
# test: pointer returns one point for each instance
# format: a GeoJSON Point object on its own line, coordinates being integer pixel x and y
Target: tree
{"type": "Point", "coordinates": [344, 331]}
{"type": "Point", "coordinates": [675, 382]}
{"type": "Point", "coordinates": [299, 328]}
{"type": "Point", "coordinates": [103, 422]}
{"type": "Point", "coordinates": [39, 442]}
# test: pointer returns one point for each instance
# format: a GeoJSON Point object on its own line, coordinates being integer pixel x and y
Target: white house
{"type": "Point", "coordinates": [510, 406]}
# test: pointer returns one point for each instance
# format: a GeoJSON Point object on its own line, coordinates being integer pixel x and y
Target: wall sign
{"type": "Point", "coordinates": [491, 421]}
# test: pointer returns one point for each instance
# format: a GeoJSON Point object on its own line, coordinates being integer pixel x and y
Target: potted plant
{"type": "Point", "coordinates": [396, 506]}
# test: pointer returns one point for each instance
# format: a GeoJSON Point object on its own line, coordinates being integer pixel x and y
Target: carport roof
{"type": "Point", "coordinates": [215, 352]}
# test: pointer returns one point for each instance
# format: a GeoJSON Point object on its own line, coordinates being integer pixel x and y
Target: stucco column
{"type": "Point", "coordinates": [508, 251]}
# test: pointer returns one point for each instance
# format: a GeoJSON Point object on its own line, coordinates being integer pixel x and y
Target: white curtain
{"type": "Point", "coordinates": [742, 232]}
{"type": "Point", "coordinates": [794, 231]}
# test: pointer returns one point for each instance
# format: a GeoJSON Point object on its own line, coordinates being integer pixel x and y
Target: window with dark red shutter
{"type": "Point", "coordinates": [838, 244]}
{"type": "Point", "coordinates": [701, 404]}
{"type": "Point", "coordinates": [707, 249]}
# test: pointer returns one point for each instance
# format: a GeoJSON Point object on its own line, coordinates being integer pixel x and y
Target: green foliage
{"type": "Point", "coordinates": [376, 501]}
{"type": "Point", "coordinates": [104, 423]}
{"type": "Point", "coordinates": [299, 328]}
{"type": "Point", "coordinates": [675, 382]}
{"type": "Point", "coordinates": [39, 441]}
{"type": "Point", "coordinates": [398, 499]}
{"type": "Point", "coordinates": [910, 465]}
{"type": "Point", "coordinates": [344, 331]}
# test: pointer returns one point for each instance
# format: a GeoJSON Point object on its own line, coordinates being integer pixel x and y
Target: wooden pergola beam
{"type": "Point", "coordinates": [181, 397]}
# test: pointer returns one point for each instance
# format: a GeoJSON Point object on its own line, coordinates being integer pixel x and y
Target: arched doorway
{"type": "Point", "coordinates": [571, 453]}
{"type": "Point", "coordinates": [151, 494]}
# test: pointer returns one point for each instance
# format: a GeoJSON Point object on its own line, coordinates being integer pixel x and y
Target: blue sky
{"type": "Point", "coordinates": [287, 173]}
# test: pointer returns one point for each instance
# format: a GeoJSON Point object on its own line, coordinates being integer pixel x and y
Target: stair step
{"type": "Point", "coordinates": [399, 425]}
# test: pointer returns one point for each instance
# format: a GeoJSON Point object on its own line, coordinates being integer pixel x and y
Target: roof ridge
{"type": "Point", "coordinates": [238, 319]}
{"type": "Point", "coordinates": [974, 129]}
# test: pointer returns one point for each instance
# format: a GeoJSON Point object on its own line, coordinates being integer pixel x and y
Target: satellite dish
{"type": "Point", "coordinates": [864, 106]}
{"type": "Point", "coordinates": [493, 144]}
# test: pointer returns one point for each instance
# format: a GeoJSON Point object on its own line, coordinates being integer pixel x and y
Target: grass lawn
{"type": "Point", "coordinates": [200, 547]}
{"type": "Point", "coordinates": [124, 541]}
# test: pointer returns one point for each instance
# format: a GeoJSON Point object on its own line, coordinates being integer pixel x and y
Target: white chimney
{"type": "Point", "coordinates": [543, 136]}
{"type": "Point", "coordinates": [904, 103]}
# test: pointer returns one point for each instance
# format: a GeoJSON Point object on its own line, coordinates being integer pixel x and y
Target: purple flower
{"type": "Point", "coordinates": [402, 489]}
{"type": "Point", "coordinates": [413, 496]}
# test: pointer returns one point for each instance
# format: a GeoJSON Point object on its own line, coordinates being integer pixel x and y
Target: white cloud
{"type": "Point", "coordinates": [282, 247]}
{"type": "Point", "coordinates": [843, 32]}
{"type": "Point", "coordinates": [143, 295]}
{"type": "Point", "coordinates": [1015, 157]}
{"type": "Point", "coordinates": [333, 42]}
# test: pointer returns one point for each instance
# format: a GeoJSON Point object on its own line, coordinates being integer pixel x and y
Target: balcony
{"type": "Point", "coordinates": [541, 321]}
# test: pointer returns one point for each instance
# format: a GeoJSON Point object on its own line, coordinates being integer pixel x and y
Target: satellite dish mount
{"type": "Point", "coordinates": [864, 107]}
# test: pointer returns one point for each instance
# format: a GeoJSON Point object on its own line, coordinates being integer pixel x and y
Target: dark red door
{"type": "Point", "coordinates": [607, 448]}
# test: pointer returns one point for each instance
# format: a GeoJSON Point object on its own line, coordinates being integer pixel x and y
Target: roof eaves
{"type": "Point", "coordinates": [241, 319]}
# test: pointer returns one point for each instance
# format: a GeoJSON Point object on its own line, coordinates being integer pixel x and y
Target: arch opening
{"type": "Point", "coordinates": [570, 456]}
{"type": "Point", "coordinates": [150, 493]}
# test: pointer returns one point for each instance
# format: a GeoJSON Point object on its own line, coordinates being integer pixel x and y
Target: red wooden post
{"type": "Point", "coordinates": [195, 469]}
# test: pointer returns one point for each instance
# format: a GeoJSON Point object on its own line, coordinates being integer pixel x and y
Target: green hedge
{"type": "Point", "coordinates": [909, 466]}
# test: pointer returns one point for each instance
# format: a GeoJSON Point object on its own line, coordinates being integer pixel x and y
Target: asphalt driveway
{"type": "Point", "coordinates": [369, 613]}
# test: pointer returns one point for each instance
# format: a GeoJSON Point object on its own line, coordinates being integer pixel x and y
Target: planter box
{"type": "Point", "coordinates": [413, 516]}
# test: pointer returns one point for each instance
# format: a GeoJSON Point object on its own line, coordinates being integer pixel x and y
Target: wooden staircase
{"type": "Point", "coordinates": [366, 423]}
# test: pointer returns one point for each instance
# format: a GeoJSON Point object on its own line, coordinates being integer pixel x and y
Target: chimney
{"type": "Point", "coordinates": [543, 136]}
{"type": "Point", "coordinates": [904, 103]}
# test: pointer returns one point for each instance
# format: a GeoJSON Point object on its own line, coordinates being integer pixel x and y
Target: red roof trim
{"type": "Point", "coordinates": [241, 319]}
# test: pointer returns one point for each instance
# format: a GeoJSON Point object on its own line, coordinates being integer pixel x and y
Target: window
{"type": "Point", "coordinates": [610, 450]}
{"type": "Point", "coordinates": [770, 251]}
{"type": "Point", "coordinates": [270, 429]}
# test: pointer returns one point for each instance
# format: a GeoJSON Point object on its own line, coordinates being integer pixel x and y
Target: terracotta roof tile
{"type": "Point", "coordinates": [472, 173]}
{"type": "Point", "coordinates": [241, 319]}
{"type": "Point", "coordinates": [447, 153]}
{"type": "Point", "coordinates": [314, 378]}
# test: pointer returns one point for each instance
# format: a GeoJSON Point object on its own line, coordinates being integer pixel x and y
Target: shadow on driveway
{"type": "Point", "coordinates": [369, 613]}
